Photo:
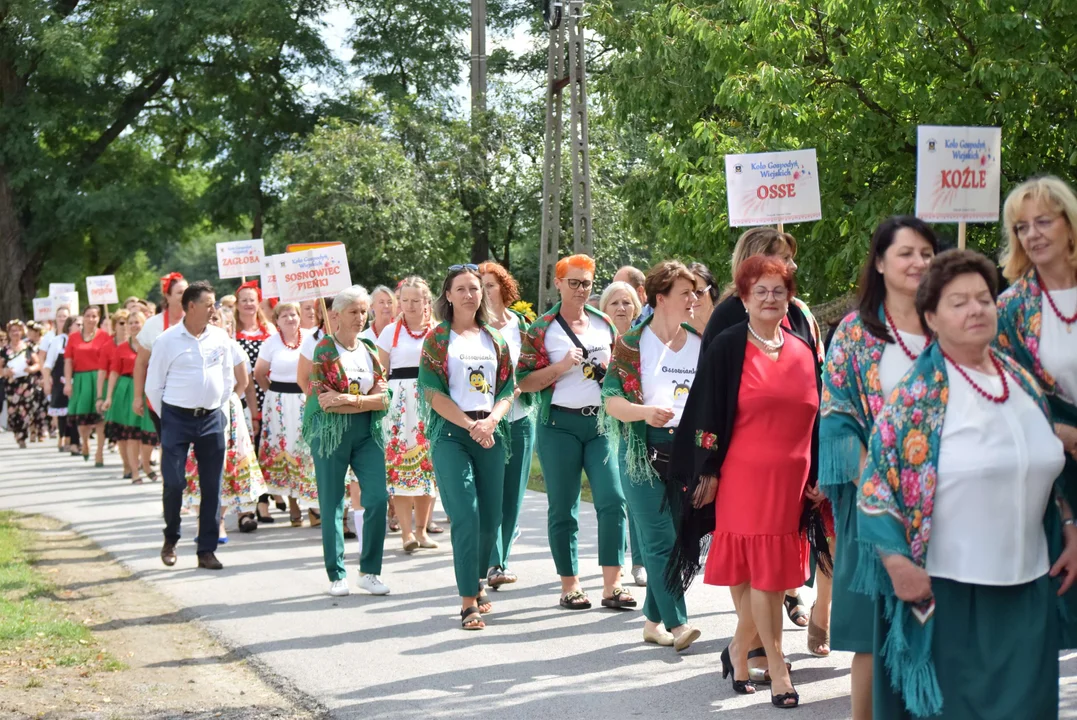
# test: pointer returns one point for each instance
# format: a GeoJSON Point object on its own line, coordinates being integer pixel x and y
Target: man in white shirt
{"type": "Point", "coordinates": [190, 378]}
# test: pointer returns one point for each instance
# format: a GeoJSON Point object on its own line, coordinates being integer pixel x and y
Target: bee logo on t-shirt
{"type": "Point", "coordinates": [353, 387]}
{"type": "Point", "coordinates": [477, 380]}
{"type": "Point", "coordinates": [680, 388]}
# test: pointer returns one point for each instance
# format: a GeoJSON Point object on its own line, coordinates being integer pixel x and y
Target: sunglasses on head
{"type": "Point", "coordinates": [469, 266]}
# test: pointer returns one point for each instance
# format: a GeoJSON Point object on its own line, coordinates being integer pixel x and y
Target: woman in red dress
{"type": "Point", "coordinates": [754, 431]}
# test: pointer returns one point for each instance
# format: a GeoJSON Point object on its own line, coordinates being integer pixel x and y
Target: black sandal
{"type": "Point", "coordinates": [267, 518]}
{"type": "Point", "coordinates": [615, 602]}
{"type": "Point", "coordinates": [281, 505]}
{"type": "Point", "coordinates": [498, 576]}
{"type": "Point", "coordinates": [781, 701]}
{"type": "Point", "coordinates": [575, 600]}
{"type": "Point", "coordinates": [743, 687]}
{"type": "Point", "coordinates": [471, 619]}
{"type": "Point", "coordinates": [794, 608]}
{"type": "Point", "coordinates": [247, 523]}
{"type": "Point", "coordinates": [483, 599]}
{"type": "Point", "coordinates": [762, 675]}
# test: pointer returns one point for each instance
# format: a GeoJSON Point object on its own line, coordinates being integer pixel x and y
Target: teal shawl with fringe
{"type": "Point", "coordinates": [895, 505]}
{"type": "Point", "coordinates": [434, 378]}
{"type": "Point", "coordinates": [328, 374]}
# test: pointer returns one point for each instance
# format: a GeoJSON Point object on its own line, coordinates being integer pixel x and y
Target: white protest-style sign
{"type": "Point", "coordinates": [60, 288]}
{"type": "Point", "coordinates": [313, 274]}
{"type": "Point", "coordinates": [269, 277]}
{"type": "Point", "coordinates": [44, 309]}
{"type": "Point", "coordinates": [772, 188]}
{"type": "Point", "coordinates": [101, 290]}
{"type": "Point", "coordinates": [71, 299]}
{"type": "Point", "coordinates": [239, 258]}
{"type": "Point", "coordinates": [958, 173]}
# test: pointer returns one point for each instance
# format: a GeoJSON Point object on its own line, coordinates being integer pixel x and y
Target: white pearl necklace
{"type": "Point", "coordinates": [767, 344]}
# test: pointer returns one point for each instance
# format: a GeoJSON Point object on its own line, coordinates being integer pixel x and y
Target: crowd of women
{"type": "Point", "coordinates": [720, 430]}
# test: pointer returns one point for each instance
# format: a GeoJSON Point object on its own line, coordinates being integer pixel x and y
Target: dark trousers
{"type": "Point", "coordinates": [179, 431]}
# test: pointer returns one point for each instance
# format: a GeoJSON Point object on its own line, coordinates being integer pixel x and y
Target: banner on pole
{"type": "Point", "coordinates": [60, 288]}
{"type": "Point", "coordinates": [239, 258]}
{"type": "Point", "coordinates": [269, 277]}
{"type": "Point", "coordinates": [101, 290]}
{"type": "Point", "coordinates": [772, 188]}
{"type": "Point", "coordinates": [44, 310]}
{"type": "Point", "coordinates": [312, 274]}
{"type": "Point", "coordinates": [958, 173]}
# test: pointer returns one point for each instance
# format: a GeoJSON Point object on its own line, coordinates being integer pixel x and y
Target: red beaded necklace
{"type": "Point", "coordinates": [1051, 301]}
{"type": "Point", "coordinates": [897, 335]}
{"type": "Point", "coordinates": [413, 335]}
{"type": "Point", "coordinates": [298, 342]}
{"type": "Point", "coordinates": [998, 368]}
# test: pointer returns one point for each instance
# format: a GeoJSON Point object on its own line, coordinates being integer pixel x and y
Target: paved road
{"type": "Point", "coordinates": [403, 656]}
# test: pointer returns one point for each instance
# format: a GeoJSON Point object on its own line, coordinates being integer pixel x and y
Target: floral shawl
{"type": "Point", "coordinates": [895, 504]}
{"type": "Point", "coordinates": [434, 377]}
{"type": "Point", "coordinates": [327, 373]}
{"type": "Point", "coordinates": [852, 397]}
{"type": "Point", "coordinates": [623, 379]}
{"type": "Point", "coordinates": [533, 355]}
{"type": "Point", "coordinates": [816, 333]}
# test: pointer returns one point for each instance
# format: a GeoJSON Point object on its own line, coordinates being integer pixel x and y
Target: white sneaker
{"type": "Point", "coordinates": [373, 584]}
{"type": "Point", "coordinates": [639, 574]}
{"type": "Point", "coordinates": [339, 588]}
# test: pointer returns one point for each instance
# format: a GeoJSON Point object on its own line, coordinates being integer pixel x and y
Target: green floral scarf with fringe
{"type": "Point", "coordinates": [434, 378]}
{"type": "Point", "coordinates": [624, 379]}
{"type": "Point", "coordinates": [328, 374]}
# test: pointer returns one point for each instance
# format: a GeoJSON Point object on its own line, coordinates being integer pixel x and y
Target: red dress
{"type": "Point", "coordinates": [757, 536]}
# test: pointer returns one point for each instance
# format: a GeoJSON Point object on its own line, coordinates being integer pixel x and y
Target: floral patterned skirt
{"type": "Point", "coordinates": [287, 467]}
{"type": "Point", "coordinates": [408, 469]}
{"type": "Point", "coordinates": [241, 483]}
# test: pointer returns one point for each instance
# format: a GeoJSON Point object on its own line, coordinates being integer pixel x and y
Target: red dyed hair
{"type": "Point", "coordinates": [582, 262]}
{"type": "Point", "coordinates": [510, 291]}
{"type": "Point", "coordinates": [759, 266]}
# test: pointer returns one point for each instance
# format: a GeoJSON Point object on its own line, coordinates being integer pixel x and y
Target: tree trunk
{"type": "Point", "coordinates": [480, 236]}
{"type": "Point", "coordinates": [16, 280]}
{"type": "Point", "coordinates": [259, 212]}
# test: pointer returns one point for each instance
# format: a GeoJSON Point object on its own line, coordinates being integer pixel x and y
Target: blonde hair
{"type": "Point", "coordinates": [228, 301]}
{"type": "Point", "coordinates": [620, 286]}
{"type": "Point", "coordinates": [1049, 191]}
{"type": "Point", "coordinates": [120, 314]}
{"type": "Point", "coordinates": [281, 307]}
{"type": "Point", "coordinates": [416, 282]}
{"type": "Point", "coordinates": [758, 241]}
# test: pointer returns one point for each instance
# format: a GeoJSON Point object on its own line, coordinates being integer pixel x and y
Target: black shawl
{"type": "Point", "coordinates": [712, 408]}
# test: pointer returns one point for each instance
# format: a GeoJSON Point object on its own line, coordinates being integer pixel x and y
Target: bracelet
{"type": "Point", "coordinates": [1069, 521]}
{"type": "Point", "coordinates": [359, 402]}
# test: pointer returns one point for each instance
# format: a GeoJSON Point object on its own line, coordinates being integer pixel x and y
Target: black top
{"type": "Point", "coordinates": [731, 311]}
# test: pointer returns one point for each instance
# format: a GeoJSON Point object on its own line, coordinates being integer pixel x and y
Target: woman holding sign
{"type": "Point", "coordinates": [82, 362]}
{"type": "Point", "coordinates": [466, 388]}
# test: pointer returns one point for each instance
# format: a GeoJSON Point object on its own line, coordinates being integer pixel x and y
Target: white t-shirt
{"type": "Point", "coordinates": [310, 341]}
{"type": "Point", "coordinates": [242, 354]}
{"type": "Point", "coordinates": [46, 342]}
{"type": "Point", "coordinates": [574, 389]}
{"type": "Point", "coordinates": [151, 330]}
{"type": "Point", "coordinates": [667, 376]}
{"type": "Point", "coordinates": [283, 361]}
{"type": "Point", "coordinates": [997, 465]}
{"type": "Point", "coordinates": [358, 368]}
{"type": "Point", "coordinates": [472, 371]}
{"type": "Point", "coordinates": [408, 350]}
{"type": "Point", "coordinates": [895, 363]}
{"type": "Point", "coordinates": [1058, 346]}
{"type": "Point", "coordinates": [368, 334]}
{"type": "Point", "coordinates": [514, 339]}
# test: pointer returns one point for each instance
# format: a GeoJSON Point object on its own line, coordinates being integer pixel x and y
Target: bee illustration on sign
{"type": "Point", "coordinates": [477, 380]}
{"type": "Point", "coordinates": [680, 388]}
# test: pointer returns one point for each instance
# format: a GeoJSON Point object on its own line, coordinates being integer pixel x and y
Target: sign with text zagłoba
{"type": "Point", "coordinates": [313, 274]}
{"type": "Point", "coordinates": [270, 289]}
{"type": "Point", "coordinates": [44, 309]}
{"type": "Point", "coordinates": [101, 290]}
{"type": "Point", "coordinates": [958, 173]}
{"type": "Point", "coordinates": [60, 288]}
{"type": "Point", "coordinates": [771, 188]}
{"type": "Point", "coordinates": [239, 258]}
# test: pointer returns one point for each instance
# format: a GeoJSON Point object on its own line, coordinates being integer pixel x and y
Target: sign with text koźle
{"type": "Point", "coordinates": [270, 289]}
{"type": "Point", "coordinates": [240, 258]}
{"type": "Point", "coordinates": [43, 309]}
{"type": "Point", "coordinates": [958, 173]}
{"type": "Point", "coordinates": [313, 274]}
{"type": "Point", "coordinates": [101, 290]}
{"type": "Point", "coordinates": [772, 188]}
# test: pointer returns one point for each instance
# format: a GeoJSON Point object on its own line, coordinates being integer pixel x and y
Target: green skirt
{"type": "Point", "coordinates": [82, 406]}
{"type": "Point", "coordinates": [852, 614]}
{"type": "Point", "coordinates": [120, 411]}
{"type": "Point", "coordinates": [995, 651]}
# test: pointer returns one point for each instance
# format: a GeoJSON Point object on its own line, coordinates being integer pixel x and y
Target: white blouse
{"type": "Point", "coordinates": [895, 363]}
{"type": "Point", "coordinates": [1058, 341]}
{"type": "Point", "coordinates": [997, 466]}
{"type": "Point", "coordinates": [408, 350]}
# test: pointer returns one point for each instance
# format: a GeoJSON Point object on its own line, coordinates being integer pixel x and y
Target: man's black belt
{"type": "Point", "coordinates": [586, 410]}
{"type": "Point", "coordinates": [283, 387]}
{"type": "Point", "coordinates": [477, 414]}
{"type": "Point", "coordinates": [404, 373]}
{"type": "Point", "coordinates": [193, 412]}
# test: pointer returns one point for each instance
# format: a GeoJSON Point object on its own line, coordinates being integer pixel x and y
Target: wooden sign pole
{"type": "Point", "coordinates": [325, 316]}
{"type": "Point", "coordinates": [962, 230]}
{"type": "Point", "coordinates": [781, 227]}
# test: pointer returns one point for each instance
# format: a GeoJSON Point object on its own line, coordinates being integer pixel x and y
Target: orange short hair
{"type": "Point", "coordinates": [581, 262]}
{"type": "Point", "coordinates": [759, 266]}
{"type": "Point", "coordinates": [510, 291]}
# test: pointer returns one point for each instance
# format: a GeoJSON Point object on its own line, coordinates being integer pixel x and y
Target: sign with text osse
{"type": "Point", "coordinates": [101, 290]}
{"type": "Point", "coordinates": [770, 188]}
{"type": "Point", "coordinates": [958, 173]}
{"type": "Point", "coordinates": [313, 274]}
{"type": "Point", "coordinates": [239, 258]}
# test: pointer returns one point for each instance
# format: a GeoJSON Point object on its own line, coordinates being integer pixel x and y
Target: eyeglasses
{"type": "Point", "coordinates": [704, 291]}
{"type": "Point", "coordinates": [121, 322]}
{"type": "Point", "coordinates": [468, 266]}
{"type": "Point", "coordinates": [578, 284]}
{"type": "Point", "coordinates": [1042, 225]}
{"type": "Point", "coordinates": [778, 293]}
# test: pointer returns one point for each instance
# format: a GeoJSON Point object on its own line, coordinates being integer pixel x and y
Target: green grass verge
{"type": "Point", "coordinates": [536, 482]}
{"type": "Point", "coordinates": [31, 622]}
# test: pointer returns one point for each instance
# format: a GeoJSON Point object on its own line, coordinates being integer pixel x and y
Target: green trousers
{"type": "Point", "coordinates": [634, 548]}
{"type": "Point", "coordinates": [516, 474]}
{"type": "Point", "coordinates": [657, 535]}
{"type": "Point", "coordinates": [472, 483]}
{"type": "Point", "coordinates": [568, 445]}
{"type": "Point", "coordinates": [361, 453]}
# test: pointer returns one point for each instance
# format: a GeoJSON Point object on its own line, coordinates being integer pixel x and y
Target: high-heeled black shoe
{"type": "Point", "coordinates": [782, 701]}
{"type": "Point", "coordinates": [743, 687]}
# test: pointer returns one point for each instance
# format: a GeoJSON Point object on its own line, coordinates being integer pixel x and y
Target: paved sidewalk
{"type": "Point", "coordinates": [403, 656]}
